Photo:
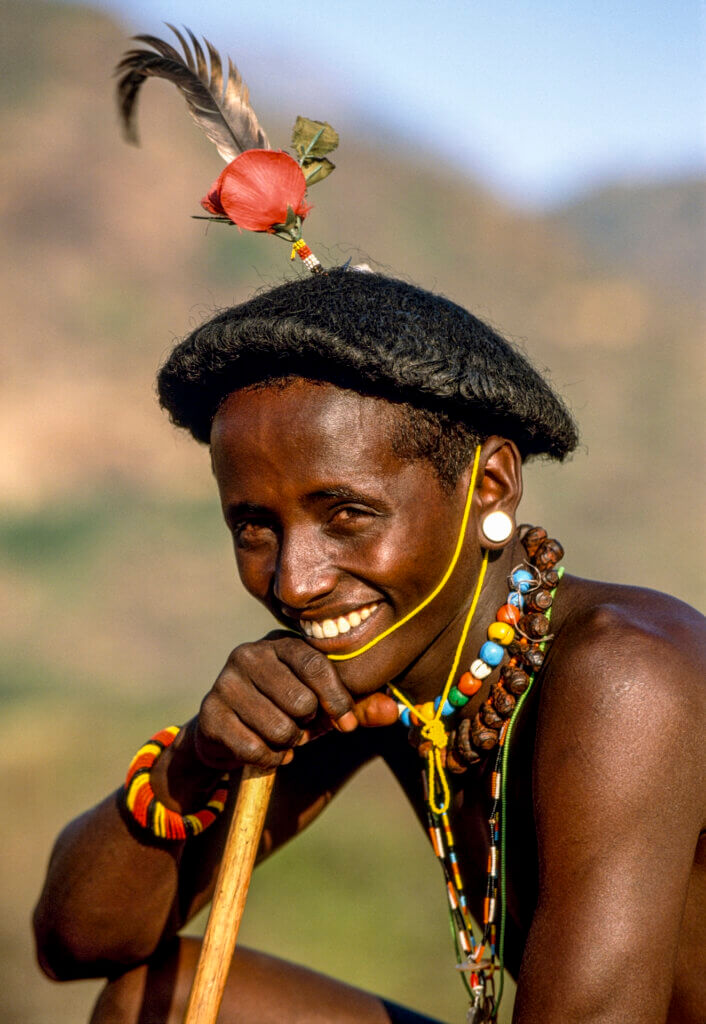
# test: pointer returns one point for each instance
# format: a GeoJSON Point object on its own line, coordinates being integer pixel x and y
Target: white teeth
{"type": "Point", "coordinates": [330, 628]}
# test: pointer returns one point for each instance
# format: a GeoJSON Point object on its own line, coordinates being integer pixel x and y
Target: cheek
{"type": "Point", "coordinates": [256, 570]}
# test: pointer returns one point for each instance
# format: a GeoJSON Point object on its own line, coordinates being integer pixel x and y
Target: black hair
{"type": "Point", "coordinates": [458, 378]}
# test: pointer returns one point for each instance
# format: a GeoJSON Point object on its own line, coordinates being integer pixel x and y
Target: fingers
{"type": "Point", "coordinates": [270, 697]}
{"type": "Point", "coordinates": [315, 670]}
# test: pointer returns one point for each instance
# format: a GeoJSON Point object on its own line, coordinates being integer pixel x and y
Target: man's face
{"type": "Point", "coordinates": [334, 533]}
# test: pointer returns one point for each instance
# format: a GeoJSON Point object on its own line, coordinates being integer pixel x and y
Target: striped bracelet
{"type": "Point", "coordinates": [148, 811]}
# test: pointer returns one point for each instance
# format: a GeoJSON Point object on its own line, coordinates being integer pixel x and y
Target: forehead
{"type": "Point", "coordinates": [303, 431]}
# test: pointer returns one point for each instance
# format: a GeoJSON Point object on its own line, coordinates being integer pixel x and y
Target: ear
{"type": "Point", "coordinates": [498, 490]}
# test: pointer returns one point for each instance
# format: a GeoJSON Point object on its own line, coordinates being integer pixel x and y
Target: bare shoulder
{"type": "Point", "coordinates": [624, 686]}
{"type": "Point", "coordinates": [613, 639]}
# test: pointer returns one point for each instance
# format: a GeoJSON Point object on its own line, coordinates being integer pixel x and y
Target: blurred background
{"type": "Point", "coordinates": [541, 164]}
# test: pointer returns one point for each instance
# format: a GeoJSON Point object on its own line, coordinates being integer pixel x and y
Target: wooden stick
{"type": "Point", "coordinates": [230, 895]}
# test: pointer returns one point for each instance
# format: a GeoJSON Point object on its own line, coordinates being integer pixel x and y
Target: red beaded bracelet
{"type": "Point", "coordinates": [148, 811]}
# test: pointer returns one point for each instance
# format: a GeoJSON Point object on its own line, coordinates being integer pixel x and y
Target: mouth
{"type": "Point", "coordinates": [334, 633]}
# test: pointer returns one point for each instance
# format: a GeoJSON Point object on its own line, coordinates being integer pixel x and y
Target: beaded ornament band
{"type": "Point", "coordinates": [148, 811]}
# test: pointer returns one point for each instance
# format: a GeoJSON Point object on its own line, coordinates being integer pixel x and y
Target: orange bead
{"type": "Point", "coordinates": [501, 633]}
{"type": "Point", "coordinates": [508, 613]}
{"type": "Point", "coordinates": [468, 684]}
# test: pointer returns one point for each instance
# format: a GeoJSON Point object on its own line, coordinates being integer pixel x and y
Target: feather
{"type": "Point", "coordinates": [219, 104]}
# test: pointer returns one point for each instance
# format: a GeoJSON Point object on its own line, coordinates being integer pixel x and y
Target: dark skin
{"type": "Point", "coordinates": [607, 860]}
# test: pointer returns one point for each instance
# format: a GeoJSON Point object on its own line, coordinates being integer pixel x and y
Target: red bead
{"type": "Point", "coordinates": [468, 684]}
{"type": "Point", "coordinates": [508, 613]}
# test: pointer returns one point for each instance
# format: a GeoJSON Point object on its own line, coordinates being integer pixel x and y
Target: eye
{"type": "Point", "coordinates": [249, 533]}
{"type": "Point", "coordinates": [351, 515]}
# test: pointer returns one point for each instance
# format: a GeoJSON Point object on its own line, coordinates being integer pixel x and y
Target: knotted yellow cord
{"type": "Point", "coordinates": [434, 729]}
{"type": "Point", "coordinates": [440, 586]}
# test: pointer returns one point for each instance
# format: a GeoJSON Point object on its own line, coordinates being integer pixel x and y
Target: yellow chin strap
{"type": "Point", "coordinates": [433, 731]}
{"type": "Point", "coordinates": [442, 583]}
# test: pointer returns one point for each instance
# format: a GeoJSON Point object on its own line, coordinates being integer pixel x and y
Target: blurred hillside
{"type": "Point", "coordinates": [115, 566]}
{"type": "Point", "coordinates": [654, 231]}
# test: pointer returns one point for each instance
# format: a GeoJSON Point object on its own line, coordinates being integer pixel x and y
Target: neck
{"type": "Point", "coordinates": [426, 677]}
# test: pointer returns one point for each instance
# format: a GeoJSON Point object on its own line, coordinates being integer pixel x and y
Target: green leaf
{"type": "Point", "coordinates": [313, 139]}
{"type": "Point", "coordinates": [317, 170]}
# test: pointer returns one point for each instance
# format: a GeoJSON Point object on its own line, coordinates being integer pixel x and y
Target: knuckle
{"type": "Point", "coordinates": [283, 733]}
{"type": "Point", "coordinates": [251, 750]}
{"type": "Point", "coordinates": [315, 665]}
{"type": "Point", "coordinates": [302, 703]}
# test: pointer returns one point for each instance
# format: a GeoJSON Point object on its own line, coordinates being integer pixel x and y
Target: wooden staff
{"type": "Point", "coordinates": [230, 895]}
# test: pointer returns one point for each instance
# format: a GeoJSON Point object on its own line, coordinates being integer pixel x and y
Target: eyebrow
{"type": "Point", "coordinates": [343, 493]}
{"type": "Point", "coordinates": [246, 508]}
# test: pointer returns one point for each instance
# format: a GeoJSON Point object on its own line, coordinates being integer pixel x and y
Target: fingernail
{"type": "Point", "coordinates": [347, 722]}
{"type": "Point", "coordinates": [289, 756]}
{"type": "Point", "coordinates": [304, 738]}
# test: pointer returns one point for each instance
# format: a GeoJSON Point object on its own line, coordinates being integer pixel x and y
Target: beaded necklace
{"type": "Point", "coordinates": [523, 637]}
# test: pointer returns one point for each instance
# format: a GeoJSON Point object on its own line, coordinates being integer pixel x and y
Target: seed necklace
{"type": "Point", "coordinates": [521, 630]}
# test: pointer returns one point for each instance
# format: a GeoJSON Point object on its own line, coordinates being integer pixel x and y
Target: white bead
{"type": "Point", "coordinates": [480, 669]}
{"type": "Point", "coordinates": [497, 526]}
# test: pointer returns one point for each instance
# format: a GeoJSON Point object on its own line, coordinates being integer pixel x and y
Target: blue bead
{"type": "Point", "coordinates": [515, 598]}
{"type": "Point", "coordinates": [521, 580]}
{"type": "Point", "coordinates": [491, 653]}
{"type": "Point", "coordinates": [437, 701]}
{"type": "Point", "coordinates": [405, 719]}
{"type": "Point", "coordinates": [448, 709]}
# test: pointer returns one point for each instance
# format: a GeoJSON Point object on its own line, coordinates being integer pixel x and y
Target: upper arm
{"type": "Point", "coordinates": [618, 790]}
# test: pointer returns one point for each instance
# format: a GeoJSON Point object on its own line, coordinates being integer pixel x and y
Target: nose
{"type": "Point", "coordinates": [304, 573]}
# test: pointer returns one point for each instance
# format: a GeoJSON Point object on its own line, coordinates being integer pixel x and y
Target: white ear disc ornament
{"type": "Point", "coordinates": [497, 526]}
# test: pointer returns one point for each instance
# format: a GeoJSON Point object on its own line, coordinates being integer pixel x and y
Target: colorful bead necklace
{"type": "Point", "coordinates": [521, 630]}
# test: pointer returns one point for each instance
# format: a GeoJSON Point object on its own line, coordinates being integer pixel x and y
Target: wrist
{"type": "Point", "coordinates": [179, 779]}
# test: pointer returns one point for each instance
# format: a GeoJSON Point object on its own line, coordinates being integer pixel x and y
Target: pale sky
{"type": "Point", "coordinates": [541, 100]}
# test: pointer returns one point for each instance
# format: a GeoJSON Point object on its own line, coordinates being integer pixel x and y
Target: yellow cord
{"type": "Point", "coordinates": [433, 728]}
{"type": "Point", "coordinates": [437, 590]}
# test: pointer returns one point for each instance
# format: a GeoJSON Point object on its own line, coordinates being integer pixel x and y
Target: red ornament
{"type": "Point", "coordinates": [256, 188]}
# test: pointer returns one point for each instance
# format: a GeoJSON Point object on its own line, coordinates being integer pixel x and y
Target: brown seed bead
{"type": "Point", "coordinates": [548, 554]}
{"type": "Point", "coordinates": [463, 746]}
{"type": "Point", "coordinates": [514, 649]}
{"type": "Point", "coordinates": [424, 748]}
{"type": "Point", "coordinates": [533, 659]}
{"type": "Point", "coordinates": [533, 538]}
{"type": "Point", "coordinates": [481, 736]}
{"type": "Point", "coordinates": [454, 765]}
{"type": "Point", "coordinates": [490, 716]}
{"type": "Point", "coordinates": [540, 600]}
{"type": "Point", "coordinates": [551, 578]}
{"type": "Point", "coordinates": [535, 625]}
{"type": "Point", "coordinates": [504, 702]}
{"type": "Point", "coordinates": [516, 681]}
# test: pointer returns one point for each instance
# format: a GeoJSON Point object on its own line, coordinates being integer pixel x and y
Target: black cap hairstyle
{"type": "Point", "coordinates": [375, 335]}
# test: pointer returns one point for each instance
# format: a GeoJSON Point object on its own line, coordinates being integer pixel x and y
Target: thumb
{"type": "Point", "coordinates": [376, 710]}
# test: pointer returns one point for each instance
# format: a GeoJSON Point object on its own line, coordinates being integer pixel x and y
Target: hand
{"type": "Point", "coordinates": [274, 695]}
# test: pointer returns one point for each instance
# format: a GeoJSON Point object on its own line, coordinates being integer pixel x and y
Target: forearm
{"type": "Point", "coordinates": [111, 893]}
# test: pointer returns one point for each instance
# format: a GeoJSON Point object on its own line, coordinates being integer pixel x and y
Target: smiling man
{"type": "Point", "coordinates": [367, 439]}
